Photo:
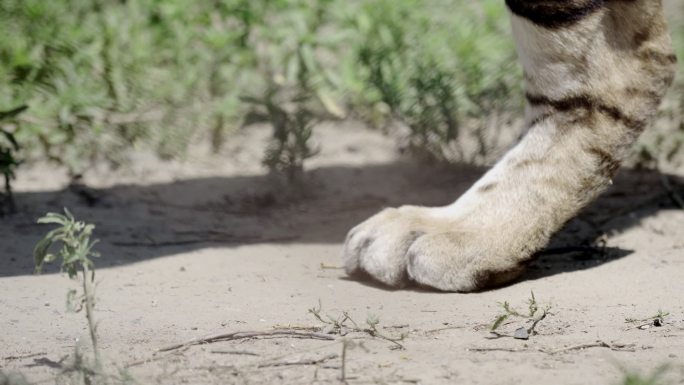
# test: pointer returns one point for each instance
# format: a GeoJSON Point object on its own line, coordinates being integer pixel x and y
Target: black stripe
{"type": "Point", "coordinates": [554, 13]}
{"type": "Point", "coordinates": [588, 103]}
{"type": "Point", "coordinates": [608, 165]}
{"type": "Point", "coordinates": [540, 119]}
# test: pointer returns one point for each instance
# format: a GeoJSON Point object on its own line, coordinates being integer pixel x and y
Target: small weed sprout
{"type": "Point", "coordinates": [535, 314]}
{"type": "Point", "coordinates": [291, 94]}
{"type": "Point", "coordinates": [656, 320]}
{"type": "Point", "coordinates": [292, 130]}
{"type": "Point", "coordinates": [76, 252]}
{"type": "Point", "coordinates": [344, 324]}
{"type": "Point", "coordinates": [337, 324]}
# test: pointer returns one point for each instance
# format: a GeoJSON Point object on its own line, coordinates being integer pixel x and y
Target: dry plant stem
{"type": "Point", "coordinates": [235, 352]}
{"type": "Point", "coordinates": [152, 359]}
{"type": "Point", "coordinates": [312, 361]}
{"type": "Point", "coordinates": [249, 334]}
{"type": "Point", "coordinates": [89, 307]}
{"type": "Point", "coordinates": [21, 357]}
{"type": "Point", "coordinates": [275, 364]}
{"type": "Point", "coordinates": [498, 350]}
{"type": "Point", "coordinates": [395, 341]}
{"type": "Point", "coordinates": [530, 330]}
{"type": "Point", "coordinates": [371, 331]}
{"type": "Point", "coordinates": [282, 358]}
{"type": "Point", "coordinates": [598, 344]}
{"type": "Point", "coordinates": [431, 331]}
{"type": "Point", "coordinates": [343, 368]}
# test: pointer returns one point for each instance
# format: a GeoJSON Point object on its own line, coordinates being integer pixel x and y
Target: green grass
{"type": "Point", "coordinates": [103, 77]}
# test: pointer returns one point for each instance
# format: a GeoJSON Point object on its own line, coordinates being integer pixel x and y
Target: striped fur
{"type": "Point", "coordinates": [595, 72]}
{"type": "Point", "coordinates": [554, 14]}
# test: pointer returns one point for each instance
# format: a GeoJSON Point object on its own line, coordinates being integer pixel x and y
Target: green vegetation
{"type": "Point", "coordinates": [446, 75]}
{"type": "Point", "coordinates": [103, 77]}
{"type": "Point", "coordinates": [344, 324]}
{"type": "Point", "coordinates": [8, 160]}
{"type": "Point", "coordinates": [75, 252]}
{"type": "Point", "coordinates": [656, 320]}
{"type": "Point", "coordinates": [535, 314]}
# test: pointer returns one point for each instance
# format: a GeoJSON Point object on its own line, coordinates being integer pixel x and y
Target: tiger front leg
{"type": "Point", "coordinates": [595, 73]}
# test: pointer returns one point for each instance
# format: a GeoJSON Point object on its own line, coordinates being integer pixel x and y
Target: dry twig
{"type": "Point", "coordinates": [432, 331]}
{"type": "Point", "coordinates": [235, 352]}
{"type": "Point", "coordinates": [21, 357]}
{"type": "Point", "coordinates": [312, 361]}
{"type": "Point", "coordinates": [598, 344]}
{"type": "Point", "coordinates": [280, 333]}
{"type": "Point", "coordinates": [510, 350]}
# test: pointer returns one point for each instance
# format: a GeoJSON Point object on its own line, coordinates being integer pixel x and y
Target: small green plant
{"type": "Point", "coordinates": [297, 88]}
{"type": "Point", "coordinates": [345, 324]}
{"type": "Point", "coordinates": [75, 252]}
{"type": "Point", "coordinates": [656, 320]}
{"type": "Point", "coordinates": [8, 160]}
{"type": "Point", "coordinates": [292, 129]}
{"type": "Point", "coordinates": [535, 314]}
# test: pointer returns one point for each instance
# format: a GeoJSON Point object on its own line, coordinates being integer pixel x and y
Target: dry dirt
{"type": "Point", "coordinates": [213, 245]}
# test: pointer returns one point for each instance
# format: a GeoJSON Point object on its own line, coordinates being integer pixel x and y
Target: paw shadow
{"type": "Point", "coordinates": [552, 263]}
{"type": "Point", "coordinates": [367, 280]}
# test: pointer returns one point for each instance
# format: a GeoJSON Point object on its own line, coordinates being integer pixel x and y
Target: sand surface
{"type": "Point", "coordinates": [213, 245]}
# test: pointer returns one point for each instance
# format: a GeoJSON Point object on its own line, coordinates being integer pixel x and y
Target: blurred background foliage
{"type": "Point", "coordinates": [102, 77]}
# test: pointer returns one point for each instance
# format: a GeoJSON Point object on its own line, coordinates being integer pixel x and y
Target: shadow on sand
{"type": "Point", "coordinates": [141, 222]}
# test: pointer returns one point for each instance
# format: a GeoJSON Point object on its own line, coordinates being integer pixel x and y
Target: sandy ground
{"type": "Point", "coordinates": [212, 245]}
